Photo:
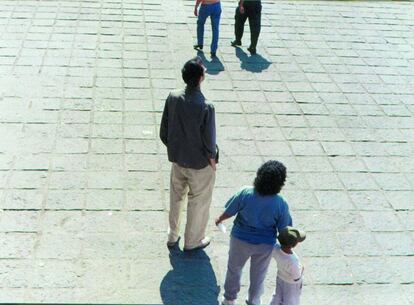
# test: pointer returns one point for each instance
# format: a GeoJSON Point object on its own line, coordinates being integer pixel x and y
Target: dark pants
{"type": "Point", "coordinates": [252, 11]}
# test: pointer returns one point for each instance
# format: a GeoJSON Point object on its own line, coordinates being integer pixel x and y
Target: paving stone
{"type": "Point", "coordinates": [369, 200]}
{"type": "Point", "coordinates": [58, 246]}
{"type": "Point", "coordinates": [22, 199]}
{"type": "Point", "coordinates": [356, 244]}
{"type": "Point", "coordinates": [19, 221]}
{"type": "Point", "coordinates": [406, 218]}
{"type": "Point", "coordinates": [329, 270]}
{"type": "Point", "coordinates": [324, 220]}
{"type": "Point", "coordinates": [334, 200]}
{"type": "Point", "coordinates": [338, 295]}
{"type": "Point", "coordinates": [106, 162]}
{"type": "Point", "coordinates": [392, 182]}
{"type": "Point", "coordinates": [306, 148]}
{"type": "Point", "coordinates": [15, 273]}
{"type": "Point", "coordinates": [301, 200]}
{"type": "Point", "coordinates": [16, 246]}
{"type": "Point", "coordinates": [69, 162]}
{"type": "Point", "coordinates": [340, 149]}
{"type": "Point", "coordinates": [407, 290]}
{"type": "Point", "coordinates": [314, 164]}
{"type": "Point", "coordinates": [319, 244]}
{"type": "Point", "coordinates": [28, 180]}
{"type": "Point", "coordinates": [371, 270]}
{"type": "Point", "coordinates": [323, 181]}
{"type": "Point", "coordinates": [104, 199]}
{"type": "Point", "coordinates": [275, 148]}
{"type": "Point", "coordinates": [291, 121]}
{"type": "Point", "coordinates": [65, 199]}
{"type": "Point", "coordinates": [381, 221]}
{"type": "Point", "coordinates": [357, 181]}
{"type": "Point", "coordinates": [247, 147]}
{"type": "Point", "coordinates": [401, 200]}
{"type": "Point", "coordinates": [395, 243]}
{"type": "Point", "coordinates": [347, 164]}
{"type": "Point", "coordinates": [62, 221]}
{"type": "Point", "coordinates": [67, 180]}
{"type": "Point", "coordinates": [298, 134]}
{"type": "Point", "coordinates": [59, 274]}
{"type": "Point", "coordinates": [402, 267]}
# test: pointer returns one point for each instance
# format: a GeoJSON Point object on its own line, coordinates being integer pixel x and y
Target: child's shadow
{"type": "Point", "coordinates": [214, 66]}
{"type": "Point", "coordinates": [191, 281]}
{"type": "Point", "coordinates": [255, 63]}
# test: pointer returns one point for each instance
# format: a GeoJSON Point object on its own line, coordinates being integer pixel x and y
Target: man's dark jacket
{"type": "Point", "coordinates": [188, 128]}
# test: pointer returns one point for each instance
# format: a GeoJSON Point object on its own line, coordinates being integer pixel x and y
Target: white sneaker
{"type": "Point", "coordinates": [204, 243]}
{"type": "Point", "coordinates": [228, 302]}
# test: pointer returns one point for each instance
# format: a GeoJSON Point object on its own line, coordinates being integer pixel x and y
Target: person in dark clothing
{"type": "Point", "coordinates": [252, 10]}
{"type": "Point", "coordinates": [188, 130]}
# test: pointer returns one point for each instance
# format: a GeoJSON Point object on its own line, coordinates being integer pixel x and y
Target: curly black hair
{"type": "Point", "coordinates": [270, 178]}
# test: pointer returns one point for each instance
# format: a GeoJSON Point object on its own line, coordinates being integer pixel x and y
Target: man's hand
{"type": "Point", "coordinates": [241, 8]}
{"type": "Point", "coordinates": [212, 163]}
{"type": "Point", "coordinates": [196, 10]}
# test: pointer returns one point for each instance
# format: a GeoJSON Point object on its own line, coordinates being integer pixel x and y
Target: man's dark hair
{"type": "Point", "coordinates": [270, 178]}
{"type": "Point", "coordinates": [192, 72]}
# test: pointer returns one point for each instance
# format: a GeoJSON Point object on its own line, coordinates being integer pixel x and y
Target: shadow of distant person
{"type": "Point", "coordinates": [213, 66]}
{"type": "Point", "coordinates": [192, 280]}
{"type": "Point", "coordinates": [254, 63]}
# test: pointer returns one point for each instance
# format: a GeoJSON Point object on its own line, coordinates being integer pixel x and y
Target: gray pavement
{"type": "Point", "coordinates": [84, 178]}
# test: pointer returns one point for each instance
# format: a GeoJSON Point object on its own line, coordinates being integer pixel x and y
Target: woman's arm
{"type": "Point", "coordinates": [222, 217]}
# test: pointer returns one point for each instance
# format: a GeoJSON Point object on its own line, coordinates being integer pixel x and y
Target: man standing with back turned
{"type": "Point", "coordinates": [251, 9]}
{"type": "Point", "coordinates": [189, 132]}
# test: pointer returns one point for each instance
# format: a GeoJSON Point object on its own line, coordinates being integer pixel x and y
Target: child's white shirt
{"type": "Point", "coordinates": [289, 268]}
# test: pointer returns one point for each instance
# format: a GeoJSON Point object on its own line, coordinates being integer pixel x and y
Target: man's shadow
{"type": "Point", "coordinates": [214, 66]}
{"type": "Point", "coordinates": [191, 281]}
{"type": "Point", "coordinates": [255, 63]}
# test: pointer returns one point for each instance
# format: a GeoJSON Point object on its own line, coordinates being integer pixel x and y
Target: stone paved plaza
{"type": "Point", "coordinates": [84, 177]}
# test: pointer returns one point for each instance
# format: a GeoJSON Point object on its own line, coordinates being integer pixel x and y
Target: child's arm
{"type": "Point", "coordinates": [297, 272]}
{"type": "Point", "coordinates": [196, 7]}
{"type": "Point", "coordinates": [222, 217]}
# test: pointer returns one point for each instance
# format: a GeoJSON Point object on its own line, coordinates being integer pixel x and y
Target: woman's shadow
{"type": "Point", "coordinates": [191, 281]}
{"type": "Point", "coordinates": [214, 66]}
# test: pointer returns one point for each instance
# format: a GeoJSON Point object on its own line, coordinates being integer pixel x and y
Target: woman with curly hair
{"type": "Point", "coordinates": [260, 213]}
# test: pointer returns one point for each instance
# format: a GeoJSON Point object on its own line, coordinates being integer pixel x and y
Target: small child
{"type": "Point", "coordinates": [289, 269]}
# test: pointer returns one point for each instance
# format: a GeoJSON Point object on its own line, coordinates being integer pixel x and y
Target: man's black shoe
{"type": "Point", "coordinates": [252, 51]}
{"type": "Point", "coordinates": [213, 54]}
{"type": "Point", "coordinates": [198, 47]}
{"type": "Point", "coordinates": [236, 43]}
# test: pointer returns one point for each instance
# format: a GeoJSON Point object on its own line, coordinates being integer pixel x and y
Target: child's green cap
{"type": "Point", "coordinates": [290, 236]}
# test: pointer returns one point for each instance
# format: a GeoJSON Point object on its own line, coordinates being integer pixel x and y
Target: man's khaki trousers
{"type": "Point", "coordinates": [196, 185]}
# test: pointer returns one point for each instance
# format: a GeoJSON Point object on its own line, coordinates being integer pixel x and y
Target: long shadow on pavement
{"type": "Point", "coordinates": [255, 63]}
{"type": "Point", "coordinates": [191, 281]}
{"type": "Point", "coordinates": [213, 66]}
